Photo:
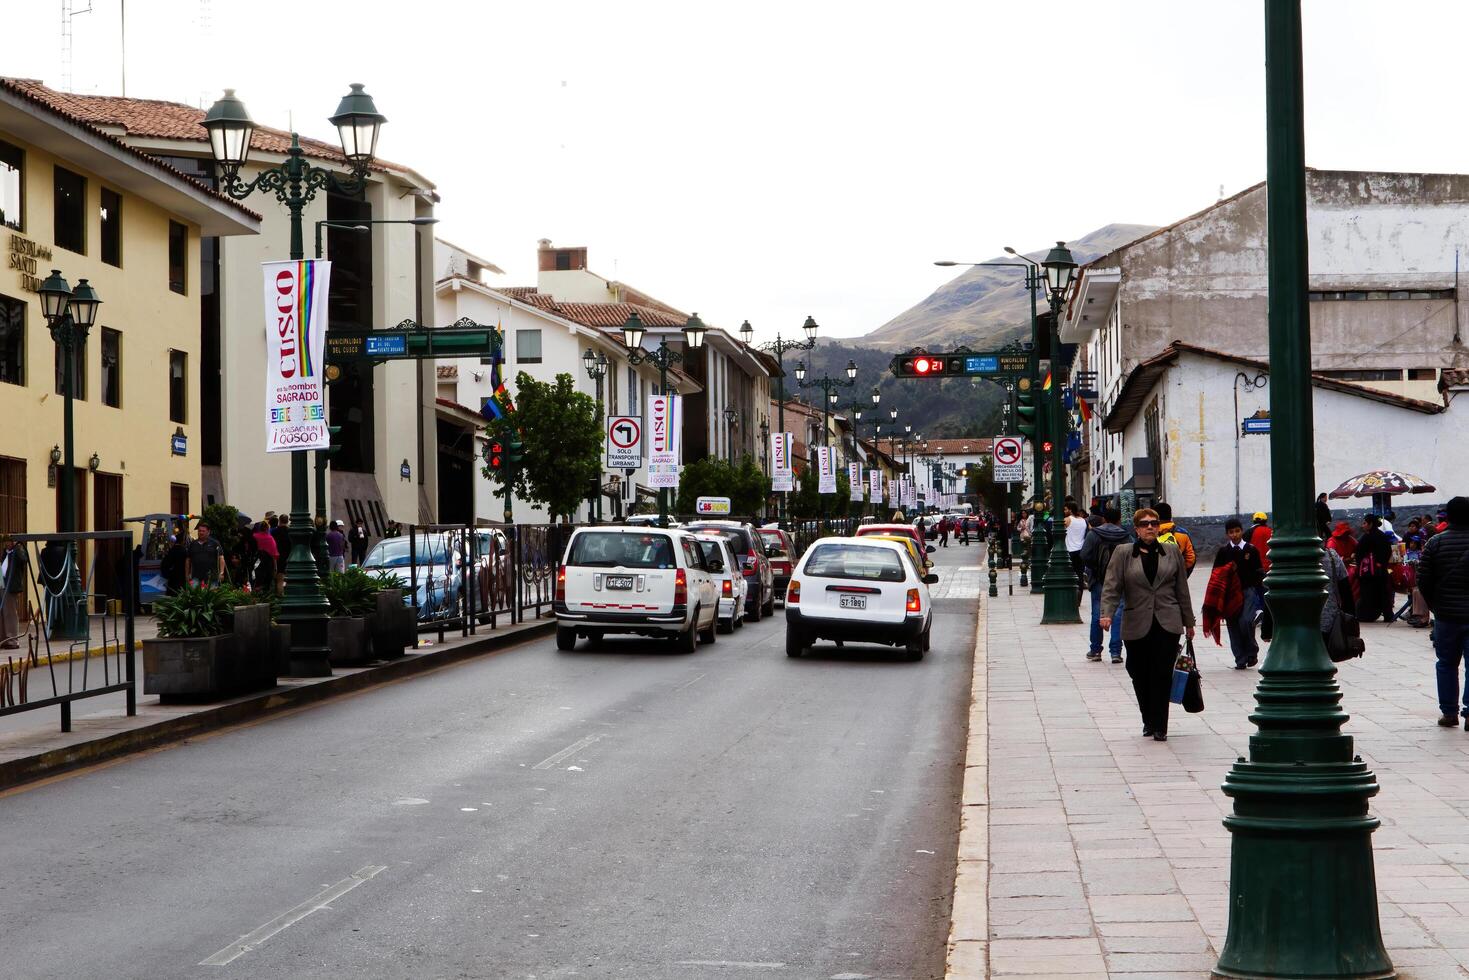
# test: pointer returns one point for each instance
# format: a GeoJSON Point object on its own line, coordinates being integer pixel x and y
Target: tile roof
{"type": "Point", "coordinates": [155, 119]}
{"type": "Point", "coordinates": [38, 94]}
{"type": "Point", "coordinates": [955, 447]}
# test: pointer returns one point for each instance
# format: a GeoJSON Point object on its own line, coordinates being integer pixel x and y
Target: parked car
{"type": "Point", "coordinates": [781, 551]}
{"type": "Point", "coordinates": [434, 582]}
{"type": "Point", "coordinates": [862, 590]}
{"type": "Point", "coordinates": [745, 542]}
{"type": "Point", "coordinates": [648, 581]}
{"type": "Point", "coordinates": [729, 580]}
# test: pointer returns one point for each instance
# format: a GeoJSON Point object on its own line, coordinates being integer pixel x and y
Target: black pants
{"type": "Point", "coordinates": [1377, 596]}
{"type": "Point", "coordinates": [1150, 665]}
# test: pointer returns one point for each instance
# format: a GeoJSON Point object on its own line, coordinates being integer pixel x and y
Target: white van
{"type": "Point", "coordinates": [648, 581]}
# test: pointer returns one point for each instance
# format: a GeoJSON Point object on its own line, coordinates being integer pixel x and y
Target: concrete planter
{"type": "Point", "coordinates": [212, 666]}
{"type": "Point", "coordinates": [348, 641]}
{"type": "Point", "coordinates": [280, 647]}
{"type": "Point", "coordinates": [393, 627]}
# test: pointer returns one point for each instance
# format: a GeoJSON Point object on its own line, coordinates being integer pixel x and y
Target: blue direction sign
{"type": "Point", "coordinates": [386, 345]}
{"type": "Point", "coordinates": [1255, 426]}
{"type": "Point", "coordinates": [981, 364]}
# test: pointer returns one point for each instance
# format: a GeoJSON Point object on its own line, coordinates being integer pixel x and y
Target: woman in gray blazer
{"type": "Point", "coordinates": [1150, 579]}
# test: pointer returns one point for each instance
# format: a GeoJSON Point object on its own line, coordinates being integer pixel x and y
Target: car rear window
{"type": "Point", "coordinates": [712, 551]}
{"type": "Point", "coordinates": [855, 561]}
{"type": "Point", "coordinates": [608, 549]}
{"type": "Point", "coordinates": [773, 538]}
{"type": "Point", "coordinates": [738, 537]}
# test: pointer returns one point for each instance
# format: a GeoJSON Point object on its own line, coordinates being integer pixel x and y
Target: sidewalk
{"type": "Point", "coordinates": [1106, 852]}
{"type": "Point", "coordinates": [32, 746]}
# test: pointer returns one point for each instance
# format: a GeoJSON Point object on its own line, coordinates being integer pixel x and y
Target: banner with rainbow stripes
{"type": "Point", "coordinates": [295, 348]}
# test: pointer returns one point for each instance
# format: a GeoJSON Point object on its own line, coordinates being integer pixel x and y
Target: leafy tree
{"type": "Point", "coordinates": [560, 431]}
{"type": "Point", "coordinates": [746, 487]}
{"type": "Point", "coordinates": [224, 525]}
{"type": "Point", "coordinates": [807, 503]}
{"type": "Point", "coordinates": [982, 484]}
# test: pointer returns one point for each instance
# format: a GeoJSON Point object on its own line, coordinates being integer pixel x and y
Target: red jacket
{"type": "Point", "coordinates": [1260, 537]}
{"type": "Point", "coordinates": [1223, 599]}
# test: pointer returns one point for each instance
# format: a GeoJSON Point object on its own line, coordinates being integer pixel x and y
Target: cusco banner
{"type": "Point", "coordinates": [295, 343]}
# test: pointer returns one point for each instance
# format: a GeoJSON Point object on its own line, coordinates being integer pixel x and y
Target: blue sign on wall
{"type": "Point", "coordinates": [179, 444]}
{"type": "Point", "coordinates": [981, 365]}
{"type": "Point", "coordinates": [386, 345]}
{"type": "Point", "coordinates": [1255, 426]}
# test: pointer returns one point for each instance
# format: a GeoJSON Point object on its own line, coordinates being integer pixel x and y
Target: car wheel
{"type": "Point", "coordinates": [565, 638]}
{"type": "Point", "coordinates": [726, 625]}
{"type": "Point", "coordinates": [769, 609]}
{"type": "Point", "coordinates": [795, 643]}
{"type": "Point", "coordinates": [915, 648]}
{"type": "Point", "coordinates": [707, 635]}
{"type": "Point", "coordinates": [928, 637]}
{"type": "Point", "coordinates": [754, 613]}
{"type": "Point", "coordinates": [688, 640]}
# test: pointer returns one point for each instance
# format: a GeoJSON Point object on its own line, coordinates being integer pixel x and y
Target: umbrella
{"type": "Point", "coordinates": [1382, 482]}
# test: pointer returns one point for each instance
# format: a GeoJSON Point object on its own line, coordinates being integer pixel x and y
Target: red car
{"type": "Point", "coordinates": [782, 552]}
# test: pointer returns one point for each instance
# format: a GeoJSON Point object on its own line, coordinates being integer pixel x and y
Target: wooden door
{"type": "Point", "coordinates": [107, 582]}
{"type": "Point", "coordinates": [178, 498]}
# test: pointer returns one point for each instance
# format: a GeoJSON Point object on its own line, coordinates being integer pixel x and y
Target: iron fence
{"type": "Point", "coordinates": [805, 532]}
{"type": "Point", "coordinates": [64, 651]}
{"type": "Point", "coordinates": [538, 551]}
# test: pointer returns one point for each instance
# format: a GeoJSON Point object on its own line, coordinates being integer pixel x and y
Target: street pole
{"type": "Point", "coordinates": [662, 357]}
{"type": "Point", "coordinates": [829, 387]}
{"type": "Point", "coordinates": [1060, 585]}
{"type": "Point", "coordinates": [779, 347]}
{"type": "Point", "coordinates": [1302, 887]}
{"type": "Point", "coordinates": [295, 184]}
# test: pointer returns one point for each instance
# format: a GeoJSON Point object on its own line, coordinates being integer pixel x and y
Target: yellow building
{"type": "Point", "coordinates": [75, 199]}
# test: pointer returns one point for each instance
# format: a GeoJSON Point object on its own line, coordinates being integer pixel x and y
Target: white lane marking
{"type": "Point", "coordinates": [410, 801]}
{"type": "Point", "coordinates": [689, 683]}
{"type": "Point", "coordinates": [567, 752]}
{"type": "Point", "coordinates": [739, 964]}
{"type": "Point", "coordinates": [289, 918]}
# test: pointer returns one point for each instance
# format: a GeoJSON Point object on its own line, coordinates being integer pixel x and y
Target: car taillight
{"type": "Point", "coordinates": [750, 561]}
{"type": "Point", "coordinates": [680, 588]}
{"type": "Point", "coordinates": [913, 605]}
{"type": "Point", "coordinates": [728, 588]}
{"type": "Point", "coordinates": [793, 594]}
{"type": "Point", "coordinates": [561, 583]}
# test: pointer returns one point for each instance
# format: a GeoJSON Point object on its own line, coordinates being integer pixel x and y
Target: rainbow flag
{"type": "Point", "coordinates": [1047, 385]}
{"type": "Point", "coordinates": [498, 405]}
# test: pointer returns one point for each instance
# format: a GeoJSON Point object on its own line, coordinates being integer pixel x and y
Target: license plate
{"type": "Point", "coordinates": [852, 602]}
{"type": "Point", "coordinates": [619, 581]}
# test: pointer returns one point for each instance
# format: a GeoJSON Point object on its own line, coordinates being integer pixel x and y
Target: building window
{"type": "Point", "coordinates": [1391, 374]}
{"type": "Point", "coordinates": [527, 346]}
{"type": "Point", "coordinates": [12, 495]}
{"type": "Point", "coordinates": [1321, 296]}
{"type": "Point", "coordinates": [111, 214]}
{"type": "Point", "coordinates": [178, 253]}
{"type": "Point", "coordinates": [70, 206]}
{"type": "Point", "coordinates": [1422, 374]}
{"type": "Point", "coordinates": [111, 368]}
{"type": "Point", "coordinates": [12, 185]}
{"type": "Point", "coordinates": [78, 369]}
{"type": "Point", "coordinates": [563, 261]}
{"type": "Point", "coordinates": [178, 369]}
{"type": "Point", "coordinates": [12, 341]}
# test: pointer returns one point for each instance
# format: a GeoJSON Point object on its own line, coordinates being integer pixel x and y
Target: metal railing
{"type": "Point", "coordinates": [538, 550]}
{"type": "Point", "coordinates": [65, 653]}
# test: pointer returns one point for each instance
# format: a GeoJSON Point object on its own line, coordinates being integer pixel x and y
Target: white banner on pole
{"type": "Point", "coordinates": [665, 429]}
{"type": "Point", "coordinates": [854, 481]}
{"type": "Point", "coordinates": [826, 474]}
{"type": "Point", "coordinates": [295, 355]}
{"type": "Point", "coordinates": [875, 490]}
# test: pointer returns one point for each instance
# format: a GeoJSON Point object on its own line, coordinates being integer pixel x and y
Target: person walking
{"type": "Point", "coordinates": [944, 531]}
{"type": "Point", "coordinates": [1323, 516]}
{"type": "Point", "coordinates": [358, 539]}
{"type": "Point", "coordinates": [175, 563]}
{"type": "Point", "coordinates": [1443, 578]}
{"type": "Point", "coordinates": [1149, 579]}
{"type": "Point", "coordinates": [1374, 584]}
{"type": "Point", "coordinates": [1096, 553]}
{"type": "Point", "coordinates": [1338, 593]}
{"type": "Point", "coordinates": [1250, 567]}
{"type": "Point", "coordinates": [336, 548]}
{"type": "Point", "coordinates": [1259, 537]}
{"type": "Point", "coordinates": [12, 591]}
{"type": "Point", "coordinates": [267, 557]}
{"type": "Point", "coordinates": [1076, 530]}
{"type": "Point", "coordinates": [1224, 597]}
{"type": "Point", "coordinates": [1171, 533]}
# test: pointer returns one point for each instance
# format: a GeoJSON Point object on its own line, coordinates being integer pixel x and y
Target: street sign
{"type": "Point", "coordinates": [1008, 464]}
{"type": "Point", "coordinates": [409, 341]}
{"type": "Point", "coordinates": [178, 444]}
{"type": "Point", "coordinates": [1255, 425]}
{"type": "Point", "coordinates": [712, 505]}
{"type": "Point", "coordinates": [624, 442]}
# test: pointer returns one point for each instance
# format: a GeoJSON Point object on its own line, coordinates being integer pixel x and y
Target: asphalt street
{"type": "Point", "coordinates": [622, 811]}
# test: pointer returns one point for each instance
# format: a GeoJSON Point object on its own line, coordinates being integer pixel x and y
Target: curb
{"type": "Point", "coordinates": [968, 957]}
{"type": "Point", "coordinates": [17, 772]}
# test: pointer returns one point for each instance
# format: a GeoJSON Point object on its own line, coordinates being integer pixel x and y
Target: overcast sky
{"type": "Point", "coordinates": [769, 160]}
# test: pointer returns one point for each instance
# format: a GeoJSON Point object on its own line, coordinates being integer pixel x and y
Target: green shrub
{"type": "Point", "coordinates": [195, 611]}
{"type": "Point", "coordinates": [351, 593]}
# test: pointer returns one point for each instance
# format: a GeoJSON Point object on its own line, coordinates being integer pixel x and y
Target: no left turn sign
{"type": "Point", "coordinates": [624, 442]}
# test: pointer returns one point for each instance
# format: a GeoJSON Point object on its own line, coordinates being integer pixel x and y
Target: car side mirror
{"type": "Point", "coordinates": [715, 565]}
{"type": "Point", "coordinates": [930, 579]}
{"type": "Point", "coordinates": [930, 549]}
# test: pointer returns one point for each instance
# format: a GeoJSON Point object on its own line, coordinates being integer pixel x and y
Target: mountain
{"type": "Point", "coordinates": [985, 307]}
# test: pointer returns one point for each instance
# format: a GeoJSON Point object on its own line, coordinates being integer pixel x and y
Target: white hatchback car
{"type": "Point", "coordinates": [730, 581]}
{"type": "Point", "coordinates": [648, 581]}
{"type": "Point", "coordinates": [862, 590]}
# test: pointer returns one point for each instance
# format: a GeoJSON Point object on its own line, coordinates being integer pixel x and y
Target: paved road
{"type": "Point", "coordinates": [621, 812]}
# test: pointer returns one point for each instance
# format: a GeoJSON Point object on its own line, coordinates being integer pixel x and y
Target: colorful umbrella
{"type": "Point", "coordinates": [1389, 482]}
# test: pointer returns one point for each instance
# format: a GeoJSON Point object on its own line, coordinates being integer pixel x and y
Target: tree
{"type": "Point", "coordinates": [982, 484]}
{"type": "Point", "coordinates": [807, 503]}
{"type": "Point", "coordinates": [560, 431]}
{"type": "Point", "coordinates": [745, 486]}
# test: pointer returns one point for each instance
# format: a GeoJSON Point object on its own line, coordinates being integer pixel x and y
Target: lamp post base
{"type": "Point", "coordinates": [1039, 560]}
{"type": "Point", "coordinates": [1062, 594]}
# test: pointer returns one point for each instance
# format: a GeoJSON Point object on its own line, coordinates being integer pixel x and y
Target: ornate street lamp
{"type": "Point", "coordinates": [596, 368]}
{"type": "Point", "coordinates": [1059, 585]}
{"type": "Point", "coordinates": [663, 357]}
{"type": "Point", "coordinates": [295, 183]}
{"type": "Point", "coordinates": [70, 314]}
{"type": "Point", "coordinates": [779, 346]}
{"type": "Point", "coordinates": [730, 417]}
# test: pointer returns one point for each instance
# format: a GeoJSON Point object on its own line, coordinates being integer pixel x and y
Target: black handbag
{"type": "Point", "coordinates": [1344, 640]}
{"type": "Point", "coordinates": [1193, 691]}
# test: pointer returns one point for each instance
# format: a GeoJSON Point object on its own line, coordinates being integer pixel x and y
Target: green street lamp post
{"type": "Point", "coordinates": [731, 422]}
{"type": "Point", "coordinates": [663, 357]}
{"type": "Point", "coordinates": [857, 432]}
{"type": "Point", "coordinates": [829, 387]}
{"type": "Point", "coordinates": [1060, 581]}
{"type": "Point", "coordinates": [1302, 887]}
{"type": "Point", "coordinates": [70, 314]}
{"type": "Point", "coordinates": [596, 368]}
{"type": "Point", "coordinates": [779, 347]}
{"type": "Point", "coordinates": [295, 184]}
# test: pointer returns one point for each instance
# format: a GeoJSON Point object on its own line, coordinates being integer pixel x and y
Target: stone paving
{"type": "Point", "coordinates": [1107, 854]}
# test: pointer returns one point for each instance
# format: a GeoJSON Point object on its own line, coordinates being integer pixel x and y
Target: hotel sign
{"type": "Point", "coordinates": [25, 257]}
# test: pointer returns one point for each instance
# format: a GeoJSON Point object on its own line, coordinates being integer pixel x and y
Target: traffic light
{"type": "Point", "coordinates": [920, 366]}
{"type": "Point", "coordinates": [1025, 408]}
{"type": "Point", "coordinates": [495, 456]}
{"type": "Point", "coordinates": [515, 451]}
{"type": "Point", "coordinates": [1046, 447]}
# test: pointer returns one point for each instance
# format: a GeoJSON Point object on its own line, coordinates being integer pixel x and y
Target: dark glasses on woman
{"type": "Point", "coordinates": [1147, 523]}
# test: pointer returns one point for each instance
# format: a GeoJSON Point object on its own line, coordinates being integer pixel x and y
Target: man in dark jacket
{"type": "Point", "coordinates": [1443, 578]}
{"type": "Point", "coordinates": [1096, 552]}
{"type": "Point", "coordinates": [1248, 563]}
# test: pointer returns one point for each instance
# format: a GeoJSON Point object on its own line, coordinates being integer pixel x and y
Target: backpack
{"type": "Point", "coordinates": [1103, 557]}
